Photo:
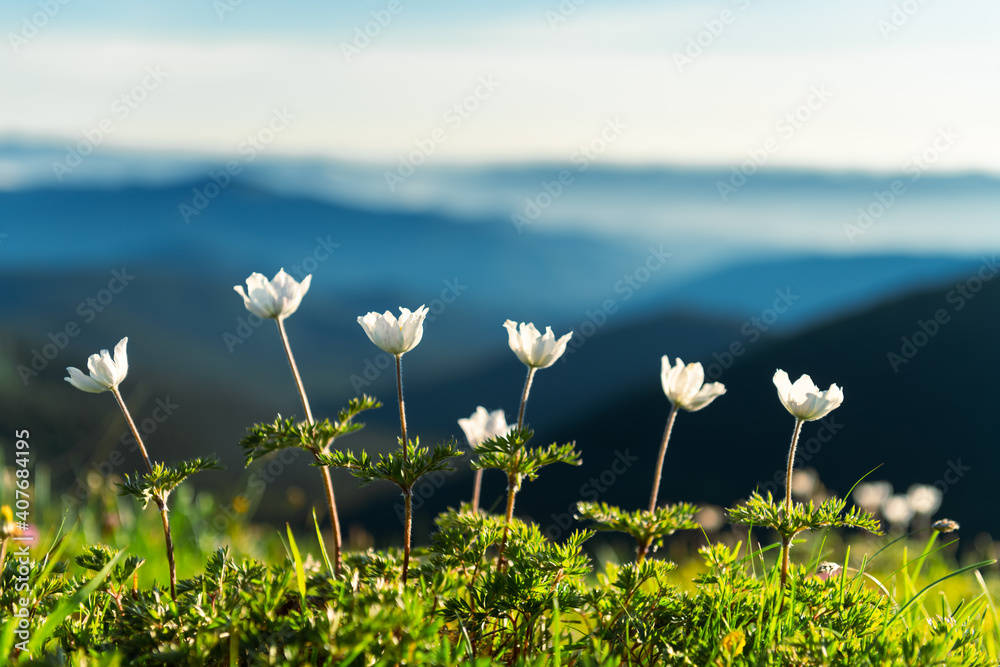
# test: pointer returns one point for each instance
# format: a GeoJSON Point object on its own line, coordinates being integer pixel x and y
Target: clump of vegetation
{"type": "Point", "coordinates": [488, 589]}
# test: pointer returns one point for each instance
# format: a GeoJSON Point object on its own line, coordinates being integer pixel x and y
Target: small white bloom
{"type": "Point", "coordinates": [869, 496]}
{"type": "Point", "coordinates": [684, 385]}
{"type": "Point", "coordinates": [924, 499]}
{"type": "Point", "coordinates": [897, 510]}
{"type": "Point", "coordinates": [395, 336]}
{"type": "Point", "coordinates": [804, 483]}
{"type": "Point", "coordinates": [275, 299]}
{"type": "Point", "coordinates": [804, 399]}
{"type": "Point", "coordinates": [483, 425]}
{"type": "Point", "coordinates": [105, 372]}
{"type": "Point", "coordinates": [531, 347]}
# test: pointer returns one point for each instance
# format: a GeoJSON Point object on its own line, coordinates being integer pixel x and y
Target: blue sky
{"type": "Point", "coordinates": [850, 85]}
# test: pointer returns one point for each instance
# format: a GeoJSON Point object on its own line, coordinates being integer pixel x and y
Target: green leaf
{"type": "Point", "coordinates": [317, 437]}
{"type": "Point", "coordinates": [165, 478]}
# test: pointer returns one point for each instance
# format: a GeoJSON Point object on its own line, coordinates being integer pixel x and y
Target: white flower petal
{"type": "Point", "coordinates": [84, 382]}
{"type": "Point", "coordinates": [274, 299]}
{"type": "Point", "coordinates": [804, 400]}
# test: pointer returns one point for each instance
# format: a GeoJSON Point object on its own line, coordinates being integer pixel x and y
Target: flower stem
{"type": "Point", "coordinates": [512, 484]}
{"type": "Point", "coordinates": [407, 530]}
{"type": "Point", "coordinates": [524, 395]}
{"type": "Point", "coordinates": [327, 480]}
{"type": "Point", "coordinates": [131, 425]}
{"type": "Point", "coordinates": [477, 487]}
{"type": "Point", "coordinates": [295, 370]}
{"type": "Point", "coordinates": [161, 503]}
{"type": "Point", "coordinates": [643, 549]}
{"type": "Point", "coordinates": [659, 459]}
{"type": "Point", "coordinates": [791, 463]}
{"type": "Point", "coordinates": [786, 546]}
{"type": "Point", "coordinates": [402, 409]}
{"type": "Point", "coordinates": [786, 542]}
{"type": "Point", "coordinates": [334, 518]}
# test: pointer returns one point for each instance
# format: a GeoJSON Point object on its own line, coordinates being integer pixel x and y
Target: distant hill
{"type": "Point", "coordinates": [928, 419]}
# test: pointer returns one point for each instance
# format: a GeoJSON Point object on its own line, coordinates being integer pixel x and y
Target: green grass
{"type": "Point", "coordinates": [257, 595]}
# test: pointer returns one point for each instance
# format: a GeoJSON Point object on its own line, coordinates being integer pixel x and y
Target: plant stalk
{"type": "Point", "coordinates": [786, 542]}
{"type": "Point", "coordinates": [402, 409]}
{"type": "Point", "coordinates": [659, 459]}
{"type": "Point", "coordinates": [131, 425]}
{"type": "Point", "coordinates": [524, 395]}
{"type": "Point", "coordinates": [327, 479]}
{"type": "Point", "coordinates": [511, 493]}
{"type": "Point", "coordinates": [295, 370]}
{"type": "Point", "coordinates": [477, 486]}
{"type": "Point", "coordinates": [161, 503]}
{"type": "Point", "coordinates": [407, 529]}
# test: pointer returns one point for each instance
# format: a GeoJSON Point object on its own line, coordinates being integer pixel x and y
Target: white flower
{"type": "Point", "coordinates": [870, 495]}
{"type": "Point", "coordinates": [684, 386]}
{"type": "Point", "coordinates": [897, 510]}
{"type": "Point", "coordinates": [804, 399]}
{"type": "Point", "coordinates": [532, 348]}
{"type": "Point", "coordinates": [105, 373]}
{"type": "Point", "coordinates": [275, 299]}
{"type": "Point", "coordinates": [392, 335]}
{"type": "Point", "coordinates": [483, 425]}
{"type": "Point", "coordinates": [924, 499]}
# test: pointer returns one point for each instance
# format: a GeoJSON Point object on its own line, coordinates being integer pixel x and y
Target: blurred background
{"type": "Point", "coordinates": [749, 185]}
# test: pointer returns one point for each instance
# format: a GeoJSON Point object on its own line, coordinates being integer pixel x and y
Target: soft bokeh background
{"type": "Point", "coordinates": [749, 185]}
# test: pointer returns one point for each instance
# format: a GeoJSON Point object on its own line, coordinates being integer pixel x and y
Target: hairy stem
{"type": "Point", "coordinates": [407, 530]}
{"type": "Point", "coordinates": [162, 504]}
{"type": "Point", "coordinates": [327, 480]}
{"type": "Point", "coordinates": [786, 546]}
{"type": "Point", "coordinates": [131, 425]}
{"type": "Point", "coordinates": [295, 370]}
{"type": "Point", "coordinates": [786, 542]}
{"type": "Point", "coordinates": [659, 459]}
{"type": "Point", "coordinates": [524, 395]}
{"type": "Point", "coordinates": [643, 550]}
{"type": "Point", "coordinates": [512, 484]}
{"type": "Point", "coordinates": [402, 409]}
{"type": "Point", "coordinates": [334, 519]}
{"type": "Point", "coordinates": [477, 486]}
